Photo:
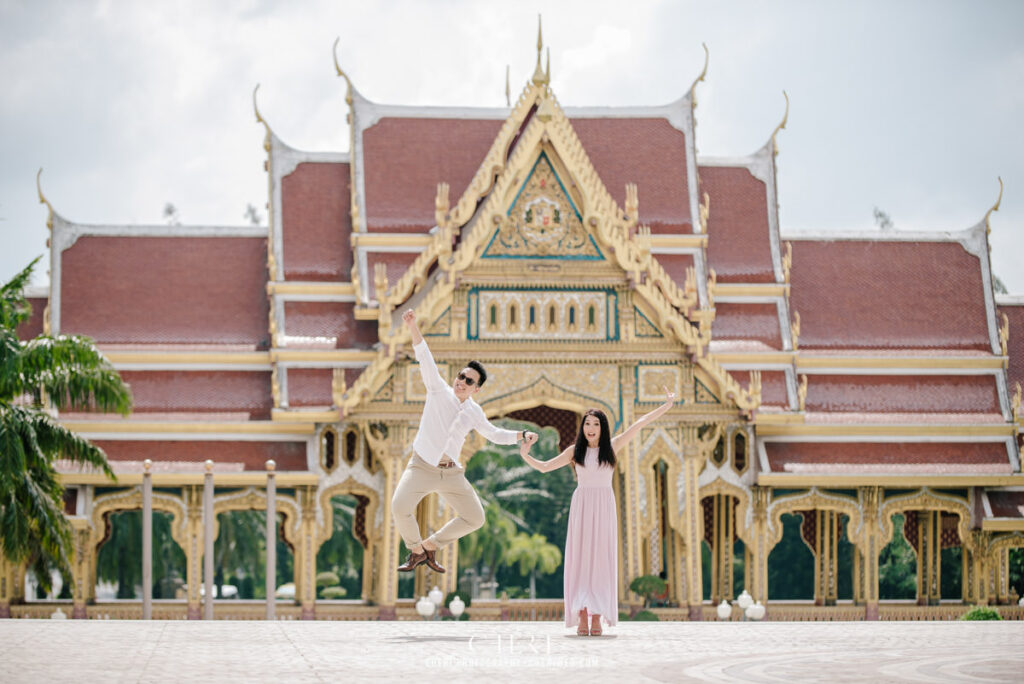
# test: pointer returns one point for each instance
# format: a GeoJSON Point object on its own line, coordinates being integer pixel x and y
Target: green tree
{"type": "Point", "coordinates": [67, 372]}
{"type": "Point", "coordinates": [533, 502]}
{"type": "Point", "coordinates": [239, 547]}
{"type": "Point", "coordinates": [533, 554]}
{"type": "Point", "coordinates": [897, 565]}
{"type": "Point", "coordinates": [342, 554]}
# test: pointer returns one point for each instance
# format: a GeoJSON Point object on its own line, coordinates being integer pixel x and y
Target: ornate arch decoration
{"type": "Point", "coordinates": [546, 392]}
{"type": "Point", "coordinates": [254, 498]}
{"type": "Point", "coordinates": [745, 521]}
{"type": "Point", "coordinates": [349, 486]}
{"type": "Point", "coordinates": [659, 447]}
{"type": "Point", "coordinates": [130, 500]}
{"type": "Point", "coordinates": [1012, 540]}
{"type": "Point", "coordinates": [813, 499]}
{"type": "Point", "coordinates": [925, 500]}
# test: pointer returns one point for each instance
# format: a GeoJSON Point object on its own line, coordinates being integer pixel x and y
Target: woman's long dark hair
{"type": "Point", "coordinates": [605, 453]}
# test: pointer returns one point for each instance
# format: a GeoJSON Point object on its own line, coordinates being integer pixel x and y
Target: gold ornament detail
{"type": "Point", "coordinates": [787, 261]}
{"type": "Point", "coordinates": [801, 393]}
{"type": "Point", "coordinates": [1004, 334]}
{"type": "Point", "coordinates": [543, 222]}
{"type": "Point", "coordinates": [794, 329]}
{"type": "Point", "coordinates": [338, 386]}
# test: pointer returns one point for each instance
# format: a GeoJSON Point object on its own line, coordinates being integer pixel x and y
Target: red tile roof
{"type": "Point", "coordinates": [397, 264]}
{"type": "Point", "coordinates": [739, 246]}
{"type": "Point", "coordinates": [939, 458]}
{"type": "Point", "coordinates": [227, 455]}
{"type": "Point", "coordinates": [773, 387]}
{"type": "Point", "coordinates": [1015, 314]}
{"type": "Point", "coordinates": [649, 152]}
{"type": "Point", "coordinates": [33, 327]}
{"type": "Point", "coordinates": [1006, 504]}
{"type": "Point", "coordinates": [876, 294]}
{"type": "Point", "coordinates": [327, 324]}
{"type": "Point", "coordinates": [405, 158]}
{"type": "Point", "coordinates": [756, 321]}
{"type": "Point", "coordinates": [309, 387]}
{"type": "Point", "coordinates": [176, 290]}
{"type": "Point", "coordinates": [903, 393]}
{"type": "Point", "coordinates": [201, 391]}
{"type": "Point", "coordinates": [675, 265]}
{"type": "Point", "coordinates": [315, 202]}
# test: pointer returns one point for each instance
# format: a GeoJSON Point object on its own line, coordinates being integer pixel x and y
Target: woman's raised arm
{"type": "Point", "coordinates": [633, 430]}
{"type": "Point", "coordinates": [557, 462]}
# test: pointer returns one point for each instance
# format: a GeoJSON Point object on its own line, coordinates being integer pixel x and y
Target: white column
{"type": "Point", "coordinates": [147, 541]}
{"type": "Point", "coordinates": [208, 541]}
{"type": "Point", "coordinates": [271, 539]}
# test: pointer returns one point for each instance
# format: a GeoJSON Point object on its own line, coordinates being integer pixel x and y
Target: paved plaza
{"type": "Point", "coordinates": [286, 651]}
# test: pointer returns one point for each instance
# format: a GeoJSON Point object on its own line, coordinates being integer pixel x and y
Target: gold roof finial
{"type": "Point", "coordinates": [703, 73]}
{"type": "Point", "coordinates": [782, 124]}
{"type": "Point", "coordinates": [43, 200]}
{"type": "Point", "coordinates": [547, 67]}
{"type": "Point", "coordinates": [348, 93]}
{"type": "Point", "coordinates": [995, 207]}
{"type": "Point", "coordinates": [508, 89]}
{"type": "Point", "coordinates": [539, 77]}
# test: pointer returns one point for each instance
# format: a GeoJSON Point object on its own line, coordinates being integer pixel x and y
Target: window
{"type": "Point", "coordinates": [329, 449]}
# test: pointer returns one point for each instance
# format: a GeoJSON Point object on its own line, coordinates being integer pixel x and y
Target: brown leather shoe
{"type": "Point", "coordinates": [412, 561]}
{"type": "Point", "coordinates": [431, 562]}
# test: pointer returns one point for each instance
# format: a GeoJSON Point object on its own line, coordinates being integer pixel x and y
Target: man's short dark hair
{"type": "Point", "coordinates": [479, 368]}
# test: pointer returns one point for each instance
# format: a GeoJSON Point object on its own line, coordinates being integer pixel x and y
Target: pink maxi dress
{"type": "Point", "coordinates": [591, 542]}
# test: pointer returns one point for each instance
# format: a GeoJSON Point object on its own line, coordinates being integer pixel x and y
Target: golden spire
{"type": "Point", "coordinates": [348, 93]}
{"type": "Point", "coordinates": [43, 200]}
{"type": "Point", "coordinates": [995, 207]}
{"type": "Point", "coordinates": [703, 73]}
{"type": "Point", "coordinates": [539, 77]}
{"type": "Point", "coordinates": [508, 89]}
{"type": "Point", "coordinates": [782, 124]}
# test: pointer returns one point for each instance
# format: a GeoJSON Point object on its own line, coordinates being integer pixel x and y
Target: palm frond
{"type": "Point", "coordinates": [73, 372]}
{"type": "Point", "coordinates": [56, 441]}
{"type": "Point", "coordinates": [14, 308]}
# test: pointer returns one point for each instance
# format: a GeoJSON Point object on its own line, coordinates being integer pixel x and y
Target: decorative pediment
{"type": "Point", "coordinates": [538, 196]}
{"type": "Point", "coordinates": [542, 222]}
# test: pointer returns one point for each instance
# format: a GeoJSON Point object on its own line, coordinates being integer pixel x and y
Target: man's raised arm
{"type": "Point", "coordinates": [432, 379]}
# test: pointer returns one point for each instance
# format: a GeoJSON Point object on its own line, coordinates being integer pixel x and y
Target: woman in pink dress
{"type": "Point", "coordinates": [591, 542]}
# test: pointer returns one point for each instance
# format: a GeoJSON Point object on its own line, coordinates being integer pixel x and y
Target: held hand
{"type": "Point", "coordinates": [409, 317]}
{"type": "Point", "coordinates": [531, 438]}
{"type": "Point", "coordinates": [670, 397]}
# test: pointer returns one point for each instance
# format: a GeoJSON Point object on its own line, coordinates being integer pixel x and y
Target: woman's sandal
{"type": "Point", "coordinates": [582, 630]}
{"type": "Point", "coordinates": [595, 631]}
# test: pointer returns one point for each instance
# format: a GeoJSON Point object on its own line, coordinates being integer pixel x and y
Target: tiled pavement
{"type": "Point", "coordinates": [490, 652]}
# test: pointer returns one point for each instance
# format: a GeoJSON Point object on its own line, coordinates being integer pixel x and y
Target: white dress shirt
{"type": "Point", "coordinates": [446, 421]}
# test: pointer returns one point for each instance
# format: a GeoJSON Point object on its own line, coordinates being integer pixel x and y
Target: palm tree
{"type": "Point", "coordinates": [534, 555]}
{"type": "Point", "coordinates": [65, 372]}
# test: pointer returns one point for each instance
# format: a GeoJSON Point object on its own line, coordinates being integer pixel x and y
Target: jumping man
{"type": "Point", "coordinates": [448, 416]}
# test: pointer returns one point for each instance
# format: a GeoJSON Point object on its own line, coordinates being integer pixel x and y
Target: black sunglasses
{"type": "Point", "coordinates": [466, 379]}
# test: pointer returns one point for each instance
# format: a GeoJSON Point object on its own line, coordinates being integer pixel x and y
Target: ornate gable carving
{"type": "Point", "coordinates": [518, 205]}
{"type": "Point", "coordinates": [543, 222]}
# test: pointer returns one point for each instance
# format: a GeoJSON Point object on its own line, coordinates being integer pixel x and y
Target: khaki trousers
{"type": "Point", "coordinates": [419, 479]}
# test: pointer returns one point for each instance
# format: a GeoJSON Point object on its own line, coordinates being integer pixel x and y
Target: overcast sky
{"type": "Point", "coordinates": [913, 107]}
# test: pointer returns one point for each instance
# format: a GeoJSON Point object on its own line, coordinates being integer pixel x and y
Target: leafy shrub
{"type": "Point", "coordinates": [333, 593]}
{"type": "Point", "coordinates": [327, 579]}
{"type": "Point", "coordinates": [645, 616]}
{"type": "Point", "coordinates": [981, 613]}
{"type": "Point", "coordinates": [648, 586]}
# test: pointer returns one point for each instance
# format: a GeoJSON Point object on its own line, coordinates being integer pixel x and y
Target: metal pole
{"type": "Point", "coordinates": [147, 541]}
{"type": "Point", "coordinates": [208, 541]}
{"type": "Point", "coordinates": [271, 569]}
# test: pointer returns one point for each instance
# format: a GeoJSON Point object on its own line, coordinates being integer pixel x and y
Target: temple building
{"type": "Point", "coordinates": [587, 256]}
